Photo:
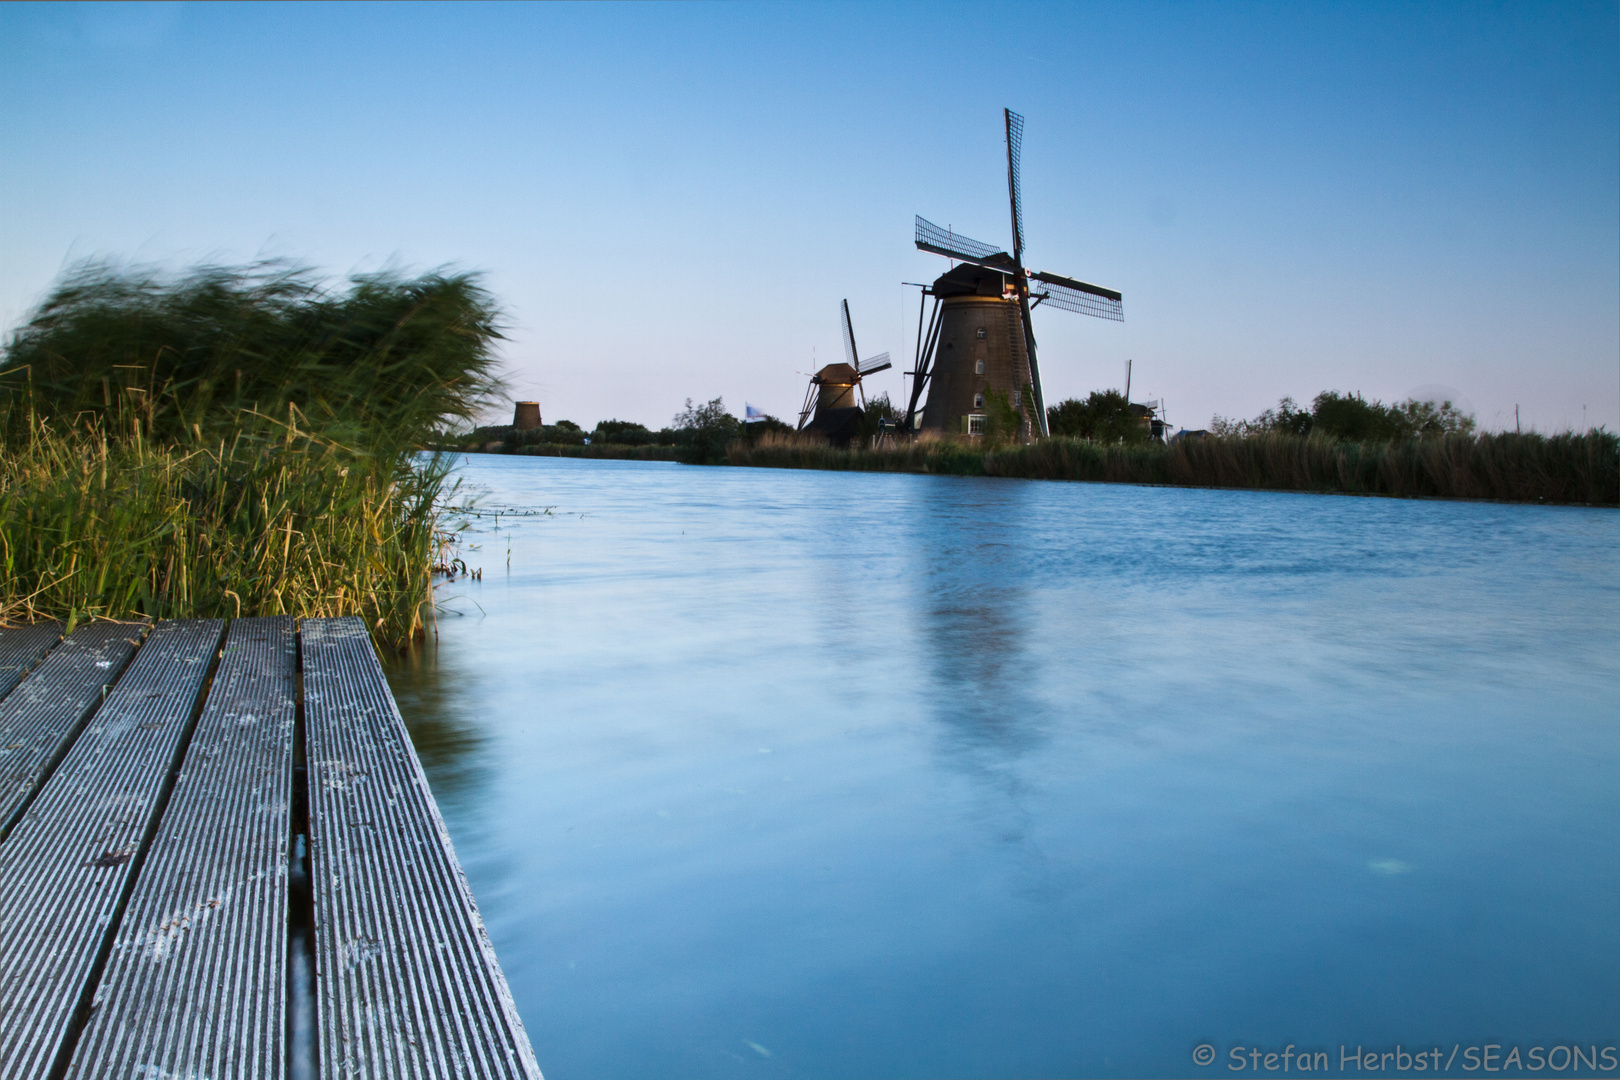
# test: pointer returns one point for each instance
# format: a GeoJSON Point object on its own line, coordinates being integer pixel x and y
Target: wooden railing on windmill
{"type": "Point", "coordinates": [829, 402]}
{"type": "Point", "coordinates": [979, 340]}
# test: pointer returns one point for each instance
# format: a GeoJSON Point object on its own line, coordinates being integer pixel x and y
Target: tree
{"type": "Point", "coordinates": [707, 430]}
{"type": "Point", "coordinates": [878, 409]}
{"type": "Point", "coordinates": [1287, 417]}
{"type": "Point", "coordinates": [1003, 423]}
{"type": "Point", "coordinates": [1104, 416]}
{"type": "Point", "coordinates": [622, 433]}
{"type": "Point", "coordinates": [1352, 418]}
{"type": "Point", "coordinates": [1426, 419]}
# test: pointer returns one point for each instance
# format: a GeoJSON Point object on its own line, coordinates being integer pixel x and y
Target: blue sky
{"type": "Point", "coordinates": [671, 200]}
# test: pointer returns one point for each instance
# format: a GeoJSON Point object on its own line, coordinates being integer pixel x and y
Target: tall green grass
{"type": "Point", "coordinates": [924, 454]}
{"type": "Point", "coordinates": [93, 526]}
{"type": "Point", "coordinates": [1567, 468]}
{"type": "Point", "coordinates": [234, 442]}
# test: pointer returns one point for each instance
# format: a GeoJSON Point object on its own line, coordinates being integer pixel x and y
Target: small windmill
{"type": "Point", "coordinates": [831, 394]}
{"type": "Point", "coordinates": [981, 343]}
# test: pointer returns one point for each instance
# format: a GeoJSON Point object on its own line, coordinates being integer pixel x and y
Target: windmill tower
{"type": "Point", "coordinates": [979, 342]}
{"type": "Point", "coordinates": [831, 395]}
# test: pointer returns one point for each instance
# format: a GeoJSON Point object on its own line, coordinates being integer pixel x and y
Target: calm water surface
{"type": "Point", "coordinates": [775, 773]}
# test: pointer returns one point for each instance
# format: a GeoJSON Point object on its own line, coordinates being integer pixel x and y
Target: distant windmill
{"type": "Point", "coordinates": [979, 339]}
{"type": "Point", "coordinates": [831, 395]}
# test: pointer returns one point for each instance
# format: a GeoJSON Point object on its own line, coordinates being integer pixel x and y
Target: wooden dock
{"type": "Point", "coordinates": [210, 830]}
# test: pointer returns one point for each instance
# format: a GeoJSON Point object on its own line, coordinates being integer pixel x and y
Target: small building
{"type": "Point", "coordinates": [526, 417]}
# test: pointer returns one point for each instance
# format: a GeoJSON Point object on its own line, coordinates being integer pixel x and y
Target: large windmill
{"type": "Point", "coordinates": [831, 396]}
{"type": "Point", "coordinates": [979, 342]}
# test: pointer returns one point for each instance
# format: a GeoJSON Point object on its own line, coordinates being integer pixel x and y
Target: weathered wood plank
{"type": "Point", "coordinates": [407, 984]}
{"type": "Point", "coordinates": [64, 868]}
{"type": "Point", "coordinates": [196, 983]}
{"type": "Point", "coordinates": [21, 647]}
{"type": "Point", "coordinates": [41, 717]}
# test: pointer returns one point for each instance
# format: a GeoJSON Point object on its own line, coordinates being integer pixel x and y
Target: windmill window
{"type": "Point", "coordinates": [978, 401]}
{"type": "Point", "coordinates": [975, 424]}
{"type": "Point", "coordinates": [978, 368]}
{"type": "Point", "coordinates": [981, 331]}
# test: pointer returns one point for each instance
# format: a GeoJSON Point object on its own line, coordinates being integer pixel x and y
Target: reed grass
{"type": "Point", "coordinates": [1565, 468]}
{"type": "Point", "coordinates": [235, 441]}
{"type": "Point", "coordinates": [97, 526]}
{"type": "Point", "coordinates": [924, 454]}
{"type": "Point", "coordinates": [390, 359]}
{"type": "Point", "coordinates": [600, 451]}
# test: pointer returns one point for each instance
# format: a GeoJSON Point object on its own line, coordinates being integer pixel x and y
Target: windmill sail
{"type": "Point", "coordinates": [848, 335]}
{"type": "Point", "coordinates": [1015, 187]}
{"type": "Point", "coordinates": [1077, 296]}
{"type": "Point", "coordinates": [954, 245]}
{"type": "Point", "coordinates": [871, 364]}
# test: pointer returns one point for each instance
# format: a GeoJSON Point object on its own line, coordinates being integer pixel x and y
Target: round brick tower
{"type": "Point", "coordinates": [981, 352]}
{"type": "Point", "coordinates": [526, 416]}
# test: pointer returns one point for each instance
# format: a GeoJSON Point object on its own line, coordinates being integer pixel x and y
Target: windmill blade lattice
{"type": "Point", "coordinates": [848, 335]}
{"type": "Point", "coordinates": [953, 245]}
{"type": "Point", "coordinates": [1077, 296]}
{"type": "Point", "coordinates": [872, 364]}
{"type": "Point", "coordinates": [1015, 186]}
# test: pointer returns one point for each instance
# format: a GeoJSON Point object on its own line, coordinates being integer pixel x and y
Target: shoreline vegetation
{"type": "Point", "coordinates": [236, 441]}
{"type": "Point", "coordinates": [699, 435]}
{"type": "Point", "coordinates": [1340, 444]}
{"type": "Point", "coordinates": [1530, 468]}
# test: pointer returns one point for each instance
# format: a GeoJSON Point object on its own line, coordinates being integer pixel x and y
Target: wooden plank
{"type": "Point", "coordinates": [196, 982]}
{"type": "Point", "coordinates": [40, 719]}
{"type": "Point", "coordinates": [64, 869]}
{"type": "Point", "coordinates": [407, 984]}
{"type": "Point", "coordinates": [21, 647]}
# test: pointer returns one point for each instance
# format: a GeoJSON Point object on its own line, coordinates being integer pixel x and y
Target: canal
{"type": "Point", "coordinates": [805, 774]}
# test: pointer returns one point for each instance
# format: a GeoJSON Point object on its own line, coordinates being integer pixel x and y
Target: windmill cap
{"type": "Point", "coordinates": [837, 373]}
